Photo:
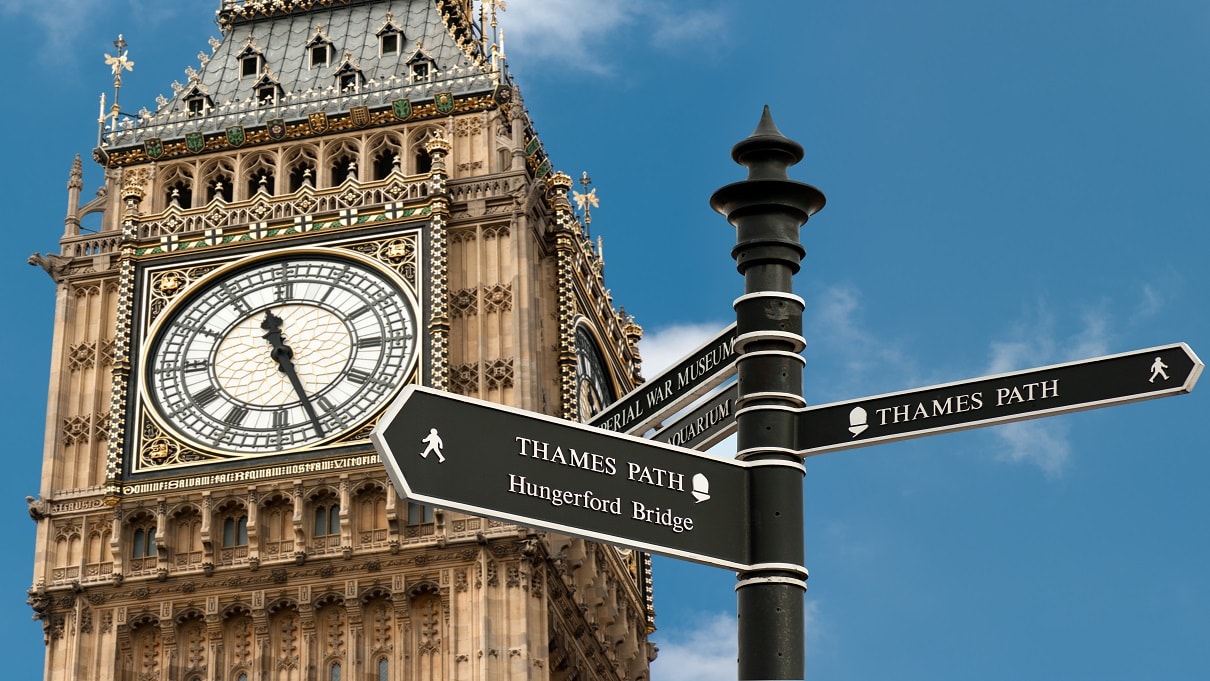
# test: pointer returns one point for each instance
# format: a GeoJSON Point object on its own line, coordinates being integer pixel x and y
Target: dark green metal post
{"type": "Point", "coordinates": [767, 210]}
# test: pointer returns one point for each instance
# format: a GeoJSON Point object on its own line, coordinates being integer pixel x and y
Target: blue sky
{"type": "Point", "coordinates": [1009, 185]}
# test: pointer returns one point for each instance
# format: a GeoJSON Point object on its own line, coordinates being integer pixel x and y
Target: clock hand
{"type": "Point", "coordinates": [284, 356]}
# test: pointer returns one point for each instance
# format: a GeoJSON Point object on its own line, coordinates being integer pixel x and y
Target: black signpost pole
{"type": "Point", "coordinates": [767, 210]}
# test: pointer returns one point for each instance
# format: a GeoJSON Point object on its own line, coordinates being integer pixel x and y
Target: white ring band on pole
{"type": "Point", "coordinates": [796, 465]}
{"type": "Point", "coordinates": [774, 353]}
{"type": "Point", "coordinates": [789, 397]}
{"type": "Point", "coordinates": [742, 340]}
{"type": "Point", "coordinates": [753, 581]}
{"type": "Point", "coordinates": [767, 407]}
{"type": "Point", "coordinates": [743, 454]}
{"type": "Point", "coordinates": [769, 294]}
{"type": "Point", "coordinates": [781, 567]}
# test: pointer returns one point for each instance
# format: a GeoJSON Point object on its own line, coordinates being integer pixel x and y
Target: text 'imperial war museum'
{"type": "Point", "coordinates": [342, 200]}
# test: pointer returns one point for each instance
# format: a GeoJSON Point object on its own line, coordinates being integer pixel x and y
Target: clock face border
{"type": "Point", "coordinates": [594, 380]}
{"type": "Point", "coordinates": [154, 447]}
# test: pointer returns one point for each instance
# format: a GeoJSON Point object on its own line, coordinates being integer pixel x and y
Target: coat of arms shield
{"type": "Point", "coordinates": [402, 108]}
{"type": "Point", "coordinates": [235, 135]}
{"type": "Point", "coordinates": [154, 147]}
{"type": "Point", "coordinates": [195, 141]}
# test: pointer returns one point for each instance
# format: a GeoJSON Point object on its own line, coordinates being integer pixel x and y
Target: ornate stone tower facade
{"type": "Point", "coordinates": [346, 197]}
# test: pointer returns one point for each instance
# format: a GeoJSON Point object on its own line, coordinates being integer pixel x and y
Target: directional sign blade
{"type": "Point", "coordinates": [990, 400]}
{"type": "Point", "coordinates": [672, 390]}
{"type": "Point", "coordinates": [490, 460]}
{"type": "Point", "coordinates": [707, 425]}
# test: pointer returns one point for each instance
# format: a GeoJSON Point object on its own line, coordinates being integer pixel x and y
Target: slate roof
{"type": "Point", "coordinates": [352, 28]}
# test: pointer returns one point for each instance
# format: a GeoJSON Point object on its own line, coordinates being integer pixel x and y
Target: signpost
{"type": "Point", "coordinates": [669, 392]}
{"type": "Point", "coordinates": [990, 400]}
{"type": "Point", "coordinates": [745, 515]}
{"type": "Point", "coordinates": [707, 425]}
{"type": "Point", "coordinates": [541, 471]}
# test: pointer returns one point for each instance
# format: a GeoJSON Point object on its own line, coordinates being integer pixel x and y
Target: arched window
{"type": "Point", "coordinates": [424, 162]}
{"type": "Point", "coordinates": [334, 672]}
{"type": "Point", "coordinates": [343, 167]}
{"type": "Point", "coordinates": [384, 163]}
{"type": "Point", "coordinates": [384, 669]}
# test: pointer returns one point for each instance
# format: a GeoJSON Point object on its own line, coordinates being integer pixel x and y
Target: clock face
{"type": "Point", "coordinates": [280, 354]}
{"type": "Point", "coordinates": [594, 389]}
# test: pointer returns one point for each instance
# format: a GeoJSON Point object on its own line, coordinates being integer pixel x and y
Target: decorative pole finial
{"type": "Point", "coordinates": [767, 210]}
{"type": "Point", "coordinates": [116, 63]}
{"type": "Point", "coordinates": [586, 201]}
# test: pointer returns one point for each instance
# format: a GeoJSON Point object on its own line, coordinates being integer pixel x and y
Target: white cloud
{"type": "Point", "coordinates": [863, 362]}
{"type": "Point", "coordinates": [1040, 443]}
{"type": "Point", "coordinates": [661, 348]}
{"type": "Point", "coordinates": [63, 22]}
{"type": "Point", "coordinates": [576, 34]}
{"type": "Point", "coordinates": [1034, 342]}
{"type": "Point", "coordinates": [1151, 303]}
{"type": "Point", "coordinates": [60, 21]}
{"type": "Point", "coordinates": [709, 652]}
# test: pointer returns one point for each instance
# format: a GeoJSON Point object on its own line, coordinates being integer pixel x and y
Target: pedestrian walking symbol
{"type": "Point", "coordinates": [1157, 369]}
{"type": "Point", "coordinates": [433, 440]}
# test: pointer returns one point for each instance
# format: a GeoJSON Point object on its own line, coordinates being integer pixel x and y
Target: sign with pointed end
{"type": "Point", "coordinates": [990, 400]}
{"type": "Point", "coordinates": [491, 460]}
{"type": "Point", "coordinates": [675, 388]}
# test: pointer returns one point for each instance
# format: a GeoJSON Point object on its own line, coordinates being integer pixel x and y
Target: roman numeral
{"type": "Point", "coordinates": [358, 376]}
{"type": "Point", "coordinates": [281, 419]}
{"type": "Point", "coordinates": [236, 415]}
{"type": "Point", "coordinates": [194, 365]}
{"type": "Point", "coordinates": [370, 342]}
{"type": "Point", "coordinates": [206, 396]}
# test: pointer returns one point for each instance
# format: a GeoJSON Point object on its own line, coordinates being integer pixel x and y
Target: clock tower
{"type": "Point", "coordinates": [345, 198]}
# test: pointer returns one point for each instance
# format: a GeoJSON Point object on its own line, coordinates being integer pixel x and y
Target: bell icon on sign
{"type": "Point", "coordinates": [701, 488]}
{"type": "Point", "coordinates": [858, 421]}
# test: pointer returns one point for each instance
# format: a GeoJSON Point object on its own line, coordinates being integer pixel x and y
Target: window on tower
{"type": "Point", "coordinates": [388, 43]}
{"type": "Point", "coordinates": [319, 55]}
{"type": "Point", "coordinates": [249, 65]}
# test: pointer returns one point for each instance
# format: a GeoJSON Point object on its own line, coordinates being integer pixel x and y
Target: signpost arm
{"type": "Point", "coordinates": [767, 210]}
